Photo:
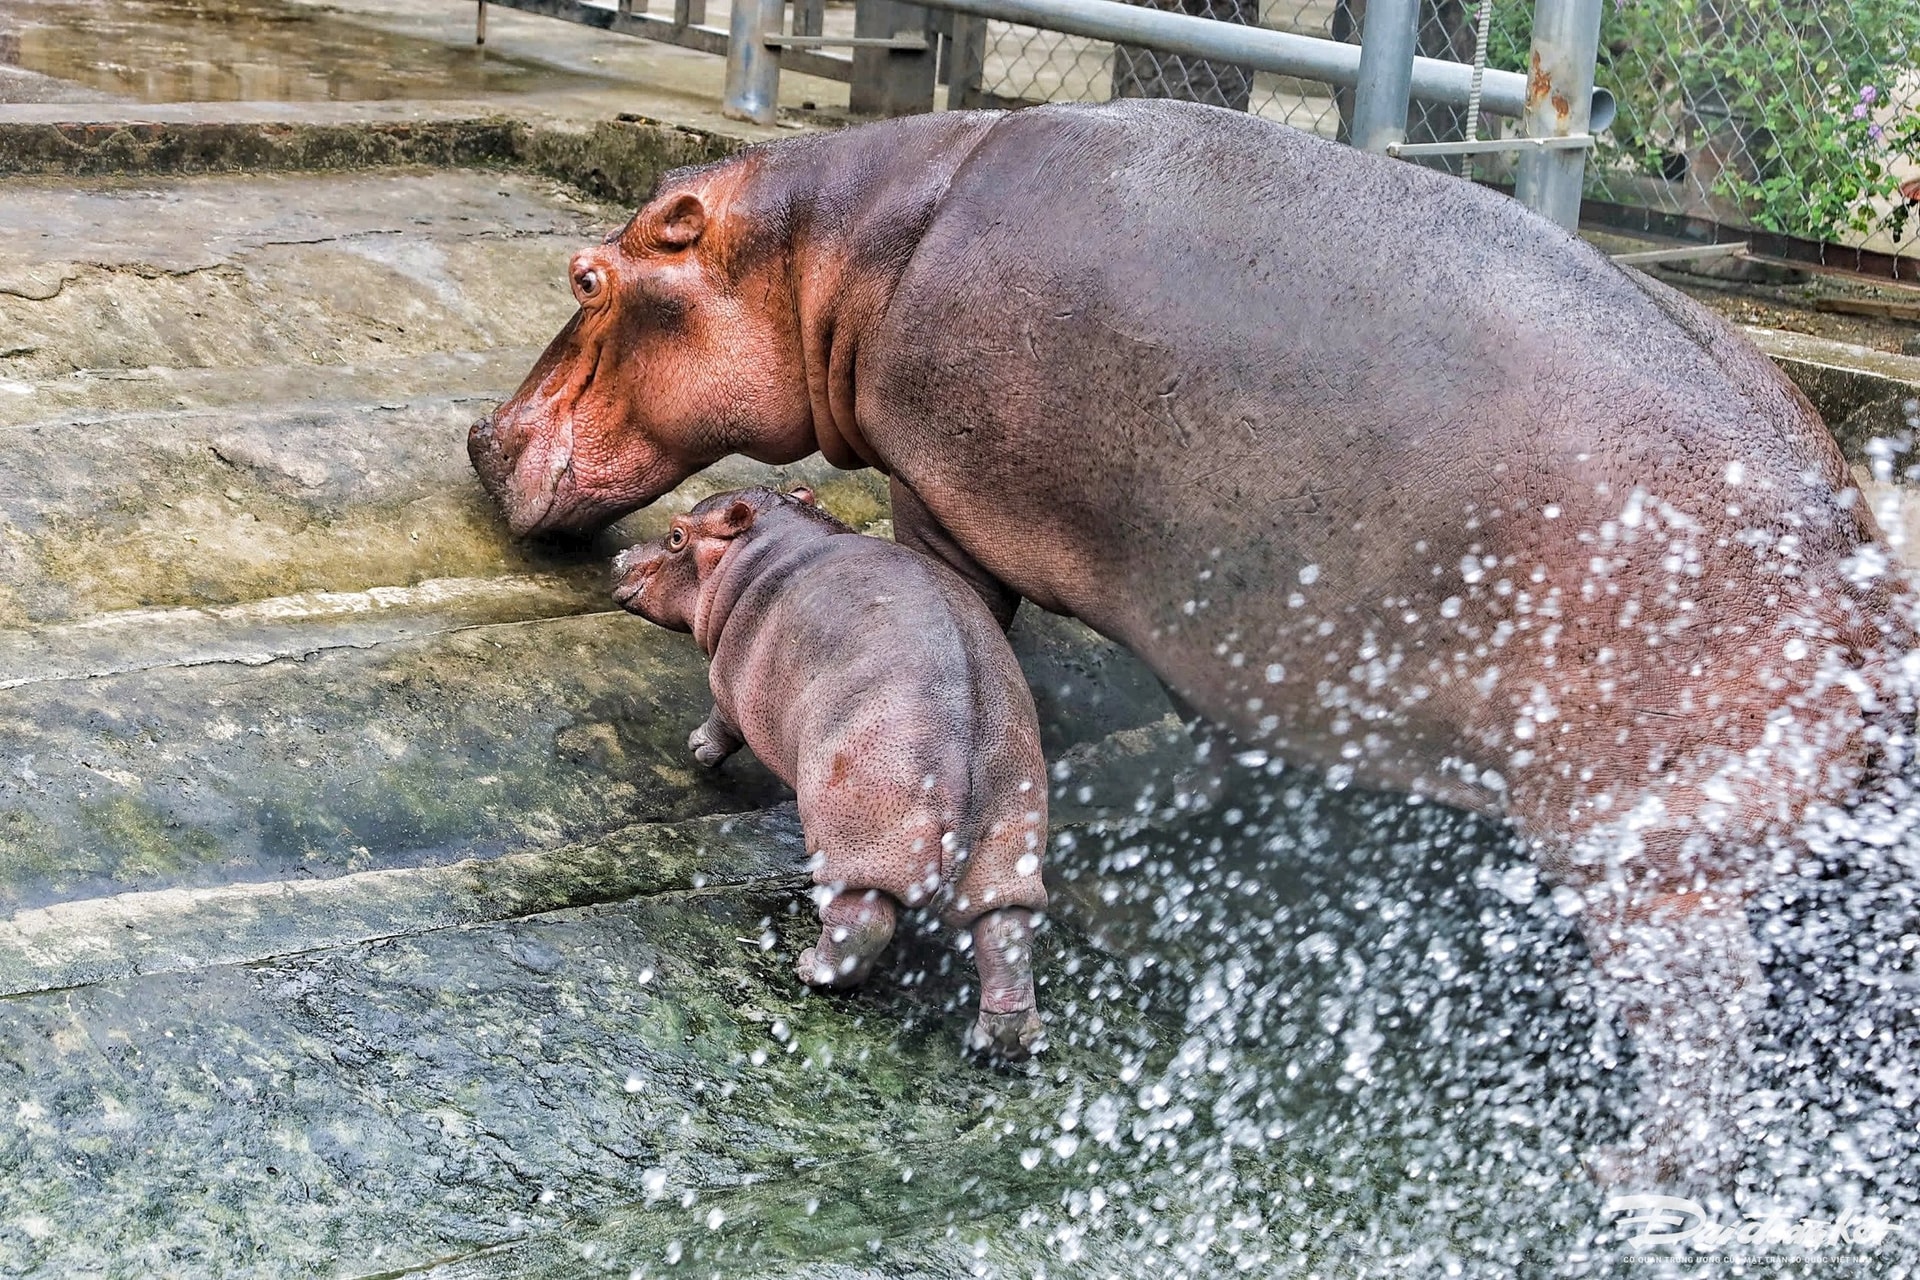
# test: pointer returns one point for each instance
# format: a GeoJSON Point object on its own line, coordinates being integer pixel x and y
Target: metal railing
{"type": "Point", "coordinates": [899, 52]}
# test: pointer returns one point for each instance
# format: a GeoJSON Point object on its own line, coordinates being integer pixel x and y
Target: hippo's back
{"type": "Point", "coordinates": [1177, 280]}
{"type": "Point", "coordinates": [871, 650]}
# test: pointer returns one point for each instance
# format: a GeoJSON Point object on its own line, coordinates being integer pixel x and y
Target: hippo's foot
{"type": "Point", "coordinates": [1008, 1029]}
{"type": "Point", "coordinates": [712, 742]}
{"type": "Point", "coordinates": [1010, 1037]}
{"type": "Point", "coordinates": [855, 927]}
{"type": "Point", "coordinates": [831, 975]}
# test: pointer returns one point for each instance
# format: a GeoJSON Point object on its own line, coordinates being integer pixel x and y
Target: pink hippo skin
{"type": "Point", "coordinates": [876, 684]}
{"type": "Point", "coordinates": [1500, 524]}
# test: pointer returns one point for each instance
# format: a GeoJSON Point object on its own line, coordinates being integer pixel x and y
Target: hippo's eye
{"type": "Point", "coordinates": [676, 538]}
{"type": "Point", "coordinates": [588, 284]}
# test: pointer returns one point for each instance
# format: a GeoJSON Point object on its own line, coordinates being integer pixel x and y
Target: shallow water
{"type": "Point", "coordinates": [1391, 1057]}
{"type": "Point", "coordinates": [231, 50]}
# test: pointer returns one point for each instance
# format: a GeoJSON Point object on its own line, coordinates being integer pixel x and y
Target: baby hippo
{"type": "Point", "coordinates": [873, 680]}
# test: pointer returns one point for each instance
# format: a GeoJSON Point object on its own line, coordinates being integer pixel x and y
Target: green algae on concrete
{"type": "Point", "coordinates": [470, 741]}
{"type": "Point", "coordinates": [617, 159]}
{"type": "Point", "coordinates": [169, 930]}
{"type": "Point", "coordinates": [134, 146]}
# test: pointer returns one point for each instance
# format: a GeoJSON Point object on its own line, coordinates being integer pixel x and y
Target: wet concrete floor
{"type": "Point", "coordinates": [252, 50]}
{"type": "Point", "coordinates": [362, 913]}
{"type": "Point", "coordinates": [398, 52]}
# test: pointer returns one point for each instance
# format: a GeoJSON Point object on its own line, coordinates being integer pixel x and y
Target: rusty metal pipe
{"type": "Point", "coordinates": [1566, 42]}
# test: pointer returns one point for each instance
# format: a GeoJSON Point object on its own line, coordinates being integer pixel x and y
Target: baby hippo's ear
{"type": "Point", "coordinates": [737, 518]}
{"type": "Point", "coordinates": [805, 495]}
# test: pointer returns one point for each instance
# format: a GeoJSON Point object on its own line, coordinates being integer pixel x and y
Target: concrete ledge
{"type": "Point", "coordinates": [619, 160]}
{"type": "Point", "coordinates": [1860, 392]}
{"type": "Point", "coordinates": [616, 160]}
{"type": "Point", "coordinates": [86, 150]}
{"type": "Point", "coordinates": [70, 944]}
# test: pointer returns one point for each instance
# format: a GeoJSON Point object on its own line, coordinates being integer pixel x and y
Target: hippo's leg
{"type": "Point", "coordinates": [714, 740]}
{"type": "Point", "coordinates": [914, 526]}
{"type": "Point", "coordinates": [855, 927]}
{"type": "Point", "coordinates": [1008, 1028]}
{"type": "Point", "coordinates": [1680, 968]}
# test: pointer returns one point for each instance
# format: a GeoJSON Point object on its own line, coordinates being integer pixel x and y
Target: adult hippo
{"type": "Point", "coordinates": [1376, 469]}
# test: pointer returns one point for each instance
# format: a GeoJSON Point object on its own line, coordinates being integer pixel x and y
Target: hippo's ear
{"type": "Point", "coordinates": [737, 518]}
{"type": "Point", "coordinates": [673, 223]}
{"type": "Point", "coordinates": [804, 494]}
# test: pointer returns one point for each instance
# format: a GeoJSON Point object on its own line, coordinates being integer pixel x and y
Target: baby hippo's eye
{"type": "Point", "coordinates": [676, 538]}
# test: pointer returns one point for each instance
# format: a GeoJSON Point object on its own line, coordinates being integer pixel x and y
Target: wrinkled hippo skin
{"type": "Point", "coordinates": [1499, 523]}
{"type": "Point", "coordinates": [876, 684]}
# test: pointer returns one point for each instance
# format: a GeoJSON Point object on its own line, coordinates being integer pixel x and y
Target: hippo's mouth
{"type": "Point", "coordinates": [530, 480]}
{"type": "Point", "coordinates": [627, 592]}
{"type": "Point", "coordinates": [537, 480]}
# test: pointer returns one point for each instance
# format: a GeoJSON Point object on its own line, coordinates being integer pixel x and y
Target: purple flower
{"type": "Point", "coordinates": [1873, 132]}
{"type": "Point", "coordinates": [1868, 93]}
{"type": "Point", "coordinates": [1859, 111]}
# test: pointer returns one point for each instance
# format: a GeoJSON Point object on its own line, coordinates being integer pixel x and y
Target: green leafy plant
{"type": "Point", "coordinates": [1787, 110]}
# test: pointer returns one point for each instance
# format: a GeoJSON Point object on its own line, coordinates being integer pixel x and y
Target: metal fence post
{"type": "Point", "coordinates": [1566, 41]}
{"type": "Point", "coordinates": [890, 82]}
{"type": "Point", "coordinates": [753, 67]}
{"type": "Point", "coordinates": [1385, 87]}
{"type": "Point", "coordinates": [966, 62]}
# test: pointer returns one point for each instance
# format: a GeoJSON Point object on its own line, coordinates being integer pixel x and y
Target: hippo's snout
{"type": "Point", "coordinates": [632, 570]}
{"type": "Point", "coordinates": [490, 462]}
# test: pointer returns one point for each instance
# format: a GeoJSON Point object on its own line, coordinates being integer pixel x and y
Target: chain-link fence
{"type": "Point", "coordinates": [1026, 64]}
{"type": "Point", "coordinates": [1802, 119]}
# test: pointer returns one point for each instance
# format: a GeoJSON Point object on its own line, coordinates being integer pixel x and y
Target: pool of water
{"type": "Point", "coordinates": [249, 50]}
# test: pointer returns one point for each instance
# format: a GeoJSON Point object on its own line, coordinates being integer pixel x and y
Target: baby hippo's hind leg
{"type": "Point", "coordinates": [1009, 1028]}
{"type": "Point", "coordinates": [855, 927]}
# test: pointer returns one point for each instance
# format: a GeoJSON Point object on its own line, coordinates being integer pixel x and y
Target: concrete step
{"type": "Point", "coordinates": [353, 753]}
{"type": "Point", "coordinates": [313, 736]}
{"type": "Point", "coordinates": [103, 395]}
{"type": "Point", "coordinates": [215, 506]}
{"type": "Point", "coordinates": [279, 269]}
